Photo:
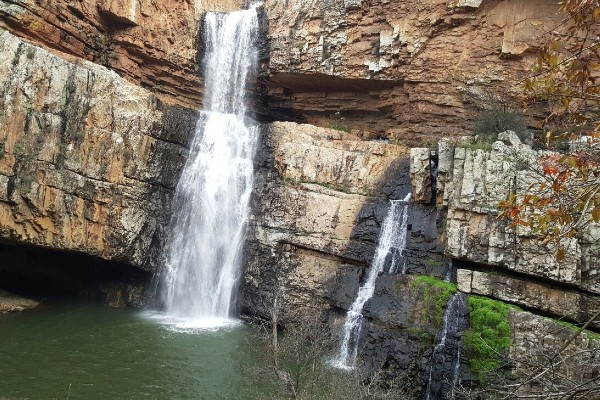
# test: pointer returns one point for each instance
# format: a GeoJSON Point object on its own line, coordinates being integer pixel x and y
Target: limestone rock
{"type": "Point", "coordinates": [315, 221]}
{"type": "Point", "coordinates": [10, 302]}
{"type": "Point", "coordinates": [412, 71]}
{"type": "Point", "coordinates": [150, 43]}
{"type": "Point", "coordinates": [536, 339]}
{"type": "Point", "coordinates": [562, 303]}
{"type": "Point", "coordinates": [420, 175]}
{"type": "Point", "coordinates": [122, 11]}
{"type": "Point", "coordinates": [476, 182]}
{"type": "Point", "coordinates": [89, 161]}
{"type": "Point", "coordinates": [469, 3]}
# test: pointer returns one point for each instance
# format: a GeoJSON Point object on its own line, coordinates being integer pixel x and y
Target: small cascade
{"type": "Point", "coordinates": [397, 242]}
{"type": "Point", "coordinates": [450, 272]}
{"type": "Point", "coordinates": [392, 241]}
{"type": "Point", "coordinates": [444, 371]}
{"type": "Point", "coordinates": [212, 197]}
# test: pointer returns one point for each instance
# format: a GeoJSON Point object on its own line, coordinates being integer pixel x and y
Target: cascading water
{"type": "Point", "coordinates": [392, 241]}
{"type": "Point", "coordinates": [212, 196]}
{"type": "Point", "coordinates": [450, 272]}
{"type": "Point", "coordinates": [445, 360]}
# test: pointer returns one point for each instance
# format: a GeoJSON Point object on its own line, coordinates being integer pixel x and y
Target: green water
{"type": "Point", "coordinates": [83, 351]}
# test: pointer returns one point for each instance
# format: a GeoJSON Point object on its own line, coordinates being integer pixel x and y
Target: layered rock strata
{"type": "Point", "coordinates": [150, 43]}
{"type": "Point", "coordinates": [88, 161]}
{"type": "Point", "coordinates": [512, 264]}
{"type": "Point", "coordinates": [412, 71]}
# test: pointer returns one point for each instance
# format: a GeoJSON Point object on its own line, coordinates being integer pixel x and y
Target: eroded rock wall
{"type": "Point", "coordinates": [88, 161]}
{"type": "Point", "coordinates": [412, 71]}
{"type": "Point", "coordinates": [493, 257]}
{"type": "Point", "coordinates": [150, 43]}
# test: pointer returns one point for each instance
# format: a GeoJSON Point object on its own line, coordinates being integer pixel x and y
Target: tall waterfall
{"type": "Point", "coordinates": [212, 197]}
{"type": "Point", "coordinates": [444, 370]}
{"type": "Point", "coordinates": [392, 241]}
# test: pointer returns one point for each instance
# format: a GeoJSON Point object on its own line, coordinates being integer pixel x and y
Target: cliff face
{"type": "Point", "coordinates": [97, 103]}
{"type": "Point", "coordinates": [412, 71]}
{"type": "Point", "coordinates": [150, 43]}
{"type": "Point", "coordinates": [88, 161]}
{"type": "Point", "coordinates": [509, 263]}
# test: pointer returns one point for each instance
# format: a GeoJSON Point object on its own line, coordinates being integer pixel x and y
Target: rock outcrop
{"type": "Point", "coordinates": [88, 161]}
{"type": "Point", "coordinates": [150, 43]}
{"type": "Point", "coordinates": [10, 302]}
{"type": "Point", "coordinates": [412, 71]}
{"type": "Point", "coordinates": [316, 212]}
{"type": "Point", "coordinates": [471, 183]}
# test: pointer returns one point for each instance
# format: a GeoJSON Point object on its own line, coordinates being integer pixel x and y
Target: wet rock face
{"type": "Point", "coordinates": [88, 161]}
{"type": "Point", "coordinates": [320, 198]}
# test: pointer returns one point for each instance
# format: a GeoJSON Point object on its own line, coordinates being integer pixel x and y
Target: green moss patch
{"type": "Point", "coordinates": [488, 339]}
{"type": "Point", "coordinates": [435, 293]}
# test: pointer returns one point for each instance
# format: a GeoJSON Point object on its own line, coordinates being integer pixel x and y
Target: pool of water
{"type": "Point", "coordinates": [86, 351]}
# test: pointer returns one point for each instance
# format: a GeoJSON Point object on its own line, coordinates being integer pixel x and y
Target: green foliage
{"type": "Point", "coordinates": [432, 262]}
{"type": "Point", "coordinates": [18, 149]}
{"type": "Point", "coordinates": [476, 145]}
{"type": "Point", "coordinates": [30, 53]}
{"type": "Point", "coordinates": [497, 119]}
{"type": "Point", "coordinates": [488, 338]}
{"type": "Point", "coordinates": [436, 293]}
{"type": "Point", "coordinates": [340, 127]}
{"type": "Point", "coordinates": [337, 188]}
{"type": "Point", "coordinates": [103, 169]}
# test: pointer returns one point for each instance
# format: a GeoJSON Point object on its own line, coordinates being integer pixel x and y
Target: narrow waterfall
{"type": "Point", "coordinates": [450, 272]}
{"type": "Point", "coordinates": [392, 241]}
{"type": "Point", "coordinates": [212, 197]}
{"type": "Point", "coordinates": [444, 370]}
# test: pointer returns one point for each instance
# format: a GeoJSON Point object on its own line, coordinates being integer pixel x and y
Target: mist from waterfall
{"type": "Point", "coordinates": [212, 197]}
{"type": "Point", "coordinates": [392, 241]}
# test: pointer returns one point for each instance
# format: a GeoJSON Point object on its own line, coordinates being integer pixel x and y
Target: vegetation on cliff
{"type": "Point", "coordinates": [435, 294]}
{"type": "Point", "coordinates": [565, 80]}
{"type": "Point", "coordinates": [488, 339]}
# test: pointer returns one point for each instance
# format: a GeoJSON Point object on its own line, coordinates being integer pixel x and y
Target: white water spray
{"type": "Point", "coordinates": [392, 240]}
{"type": "Point", "coordinates": [213, 193]}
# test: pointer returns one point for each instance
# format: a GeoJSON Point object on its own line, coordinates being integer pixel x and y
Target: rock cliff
{"type": "Point", "coordinates": [98, 100]}
{"type": "Point", "coordinates": [88, 161]}
{"type": "Point", "coordinates": [511, 263]}
{"type": "Point", "coordinates": [411, 71]}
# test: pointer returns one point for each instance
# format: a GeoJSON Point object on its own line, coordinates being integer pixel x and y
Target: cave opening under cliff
{"type": "Point", "coordinates": [49, 275]}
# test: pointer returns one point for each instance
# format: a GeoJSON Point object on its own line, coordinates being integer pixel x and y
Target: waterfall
{"type": "Point", "coordinates": [444, 370]}
{"type": "Point", "coordinates": [450, 272]}
{"type": "Point", "coordinates": [212, 197]}
{"type": "Point", "coordinates": [392, 241]}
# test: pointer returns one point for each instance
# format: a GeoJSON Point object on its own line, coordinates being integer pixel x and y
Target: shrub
{"type": "Point", "coordinates": [497, 119]}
